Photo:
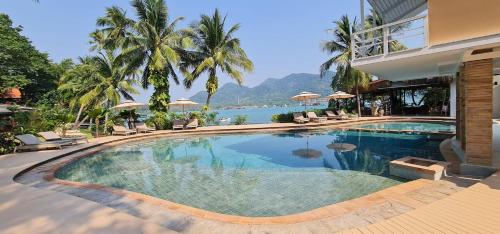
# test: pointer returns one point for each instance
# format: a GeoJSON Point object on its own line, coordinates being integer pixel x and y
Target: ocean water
{"type": "Point", "coordinates": [262, 115]}
{"type": "Point", "coordinates": [255, 175]}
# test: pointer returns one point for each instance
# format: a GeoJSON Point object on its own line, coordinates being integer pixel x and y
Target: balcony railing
{"type": "Point", "coordinates": [407, 34]}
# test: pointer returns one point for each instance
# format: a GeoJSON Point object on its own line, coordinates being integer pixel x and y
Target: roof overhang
{"type": "Point", "coordinates": [394, 10]}
{"type": "Point", "coordinates": [442, 60]}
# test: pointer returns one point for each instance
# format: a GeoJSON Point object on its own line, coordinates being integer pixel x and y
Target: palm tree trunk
{"type": "Point", "coordinates": [357, 98]}
{"type": "Point", "coordinates": [207, 103]}
{"type": "Point", "coordinates": [97, 127]}
{"type": "Point", "coordinates": [78, 117]}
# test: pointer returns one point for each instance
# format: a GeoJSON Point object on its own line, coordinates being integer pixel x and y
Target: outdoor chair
{"type": "Point", "coordinates": [178, 124]}
{"type": "Point", "coordinates": [314, 118]}
{"type": "Point", "coordinates": [51, 136]}
{"type": "Point", "coordinates": [120, 130]}
{"type": "Point", "coordinates": [31, 142]}
{"type": "Point", "coordinates": [299, 118]}
{"type": "Point", "coordinates": [332, 115]}
{"type": "Point", "coordinates": [192, 124]}
{"type": "Point", "coordinates": [143, 127]}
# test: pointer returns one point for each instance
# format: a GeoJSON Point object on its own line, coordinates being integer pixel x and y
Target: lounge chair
{"type": "Point", "coordinates": [143, 127]}
{"type": "Point", "coordinates": [314, 118]}
{"type": "Point", "coordinates": [299, 118]}
{"type": "Point", "coordinates": [120, 130]}
{"type": "Point", "coordinates": [31, 142]}
{"type": "Point", "coordinates": [332, 115]}
{"type": "Point", "coordinates": [192, 124]}
{"type": "Point", "coordinates": [178, 124]}
{"type": "Point", "coordinates": [343, 114]}
{"type": "Point", "coordinates": [51, 136]}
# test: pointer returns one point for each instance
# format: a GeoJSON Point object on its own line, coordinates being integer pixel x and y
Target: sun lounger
{"type": "Point", "coordinates": [314, 118]}
{"type": "Point", "coordinates": [192, 124]}
{"type": "Point", "coordinates": [178, 124]}
{"type": "Point", "coordinates": [31, 142]}
{"type": "Point", "coordinates": [120, 130]}
{"type": "Point", "coordinates": [332, 115]}
{"type": "Point", "coordinates": [299, 118]}
{"type": "Point", "coordinates": [143, 127]}
{"type": "Point", "coordinates": [345, 115]}
{"type": "Point", "coordinates": [51, 136]}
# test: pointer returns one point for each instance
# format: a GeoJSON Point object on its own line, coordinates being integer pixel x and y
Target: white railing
{"type": "Point", "coordinates": [403, 35]}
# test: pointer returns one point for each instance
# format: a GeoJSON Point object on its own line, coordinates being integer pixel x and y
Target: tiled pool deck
{"type": "Point", "coordinates": [46, 207]}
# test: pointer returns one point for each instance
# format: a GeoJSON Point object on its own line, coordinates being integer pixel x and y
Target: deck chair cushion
{"type": "Point", "coordinates": [29, 139]}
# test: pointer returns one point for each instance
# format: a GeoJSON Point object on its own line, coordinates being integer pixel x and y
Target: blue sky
{"type": "Point", "coordinates": [280, 36]}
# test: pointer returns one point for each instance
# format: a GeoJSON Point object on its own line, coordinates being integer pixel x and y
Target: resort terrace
{"type": "Point", "coordinates": [34, 201]}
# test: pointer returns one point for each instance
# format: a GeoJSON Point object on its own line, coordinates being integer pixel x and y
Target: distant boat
{"type": "Point", "coordinates": [224, 120]}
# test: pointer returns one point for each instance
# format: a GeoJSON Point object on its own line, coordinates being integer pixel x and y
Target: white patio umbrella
{"type": "Point", "coordinates": [183, 102]}
{"type": "Point", "coordinates": [304, 96]}
{"type": "Point", "coordinates": [129, 105]}
{"type": "Point", "coordinates": [340, 95]}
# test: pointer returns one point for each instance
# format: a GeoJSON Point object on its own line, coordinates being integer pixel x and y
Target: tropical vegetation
{"type": "Point", "coordinates": [215, 49]}
{"type": "Point", "coordinates": [346, 77]}
{"type": "Point", "coordinates": [126, 53]}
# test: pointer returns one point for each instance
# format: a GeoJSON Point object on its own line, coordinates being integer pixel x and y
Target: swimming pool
{"type": "Point", "coordinates": [411, 126]}
{"type": "Point", "coordinates": [254, 175]}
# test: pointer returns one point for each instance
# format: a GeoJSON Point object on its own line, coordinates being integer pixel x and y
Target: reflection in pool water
{"type": "Point", "coordinates": [254, 174]}
{"type": "Point", "coordinates": [411, 126]}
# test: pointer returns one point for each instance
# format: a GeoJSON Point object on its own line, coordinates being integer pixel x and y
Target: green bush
{"type": "Point", "coordinates": [204, 118]}
{"type": "Point", "coordinates": [7, 142]}
{"type": "Point", "coordinates": [163, 120]}
{"type": "Point", "coordinates": [240, 119]}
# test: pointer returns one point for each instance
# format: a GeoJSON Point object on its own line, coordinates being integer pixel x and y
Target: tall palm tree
{"type": "Point", "coordinates": [115, 29]}
{"type": "Point", "coordinates": [346, 77]}
{"type": "Point", "coordinates": [154, 44]}
{"type": "Point", "coordinates": [99, 81]}
{"type": "Point", "coordinates": [216, 49]}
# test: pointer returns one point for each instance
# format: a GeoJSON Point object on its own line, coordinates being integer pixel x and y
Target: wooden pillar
{"type": "Point", "coordinates": [478, 111]}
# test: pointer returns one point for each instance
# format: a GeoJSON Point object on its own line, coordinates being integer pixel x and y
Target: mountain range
{"type": "Point", "coordinates": [270, 92]}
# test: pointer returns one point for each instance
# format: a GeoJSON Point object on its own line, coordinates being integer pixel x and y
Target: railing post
{"type": "Point", "coordinates": [426, 31]}
{"type": "Point", "coordinates": [385, 32]}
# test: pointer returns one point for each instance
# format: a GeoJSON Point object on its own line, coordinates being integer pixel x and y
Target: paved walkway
{"type": "Point", "coordinates": [25, 209]}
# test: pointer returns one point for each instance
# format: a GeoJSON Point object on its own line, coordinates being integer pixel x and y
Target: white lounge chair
{"type": "Point", "coordinates": [143, 127]}
{"type": "Point", "coordinates": [120, 130]}
{"type": "Point", "coordinates": [192, 124]}
{"type": "Point", "coordinates": [31, 142]}
{"type": "Point", "coordinates": [299, 118]}
{"type": "Point", "coordinates": [332, 115]}
{"type": "Point", "coordinates": [343, 114]}
{"type": "Point", "coordinates": [51, 136]}
{"type": "Point", "coordinates": [178, 124]}
{"type": "Point", "coordinates": [314, 118]}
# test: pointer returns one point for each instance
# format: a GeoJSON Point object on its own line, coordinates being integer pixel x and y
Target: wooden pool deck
{"type": "Point", "coordinates": [472, 210]}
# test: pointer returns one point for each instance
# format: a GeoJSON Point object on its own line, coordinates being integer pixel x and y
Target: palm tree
{"type": "Point", "coordinates": [216, 49]}
{"type": "Point", "coordinates": [99, 81]}
{"type": "Point", "coordinates": [154, 44]}
{"type": "Point", "coordinates": [115, 30]}
{"type": "Point", "coordinates": [346, 77]}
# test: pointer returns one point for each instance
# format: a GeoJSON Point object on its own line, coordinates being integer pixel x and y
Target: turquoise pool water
{"type": "Point", "coordinates": [413, 126]}
{"type": "Point", "coordinates": [268, 174]}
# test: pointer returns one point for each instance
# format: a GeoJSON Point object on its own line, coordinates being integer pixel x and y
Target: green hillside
{"type": "Point", "coordinates": [270, 92]}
